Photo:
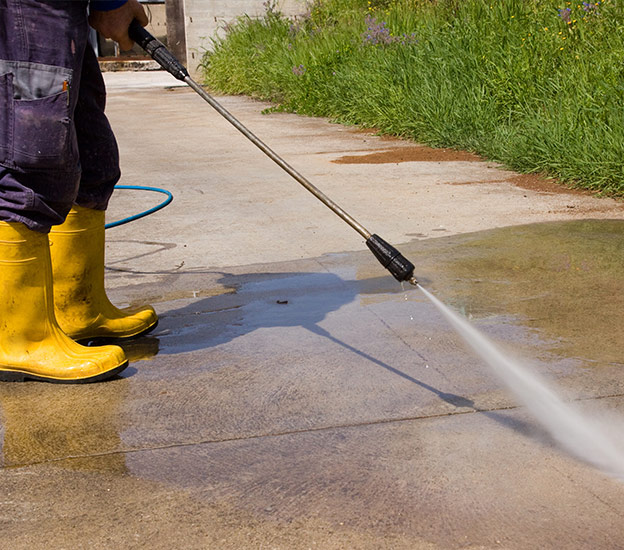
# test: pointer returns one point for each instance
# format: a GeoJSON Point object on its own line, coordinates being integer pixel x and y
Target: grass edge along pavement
{"type": "Point", "coordinates": [537, 86]}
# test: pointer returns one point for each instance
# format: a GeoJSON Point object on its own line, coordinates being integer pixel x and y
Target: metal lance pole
{"type": "Point", "coordinates": [400, 268]}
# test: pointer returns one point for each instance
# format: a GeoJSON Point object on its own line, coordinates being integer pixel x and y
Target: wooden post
{"type": "Point", "coordinates": [176, 30]}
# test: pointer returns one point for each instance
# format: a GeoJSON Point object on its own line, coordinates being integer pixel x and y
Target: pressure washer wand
{"type": "Point", "coordinates": [401, 268]}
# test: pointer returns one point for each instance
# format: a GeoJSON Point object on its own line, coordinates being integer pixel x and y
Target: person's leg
{"type": "Point", "coordinates": [41, 51]}
{"type": "Point", "coordinates": [99, 155]}
{"type": "Point", "coordinates": [82, 307]}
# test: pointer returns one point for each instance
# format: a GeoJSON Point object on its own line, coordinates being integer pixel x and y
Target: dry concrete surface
{"type": "Point", "coordinates": [294, 395]}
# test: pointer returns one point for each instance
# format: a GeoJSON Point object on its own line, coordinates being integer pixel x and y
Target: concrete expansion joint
{"type": "Point", "coordinates": [285, 433]}
{"type": "Point", "coordinates": [255, 437]}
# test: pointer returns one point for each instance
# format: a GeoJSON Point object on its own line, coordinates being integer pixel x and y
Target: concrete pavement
{"type": "Point", "coordinates": [294, 395]}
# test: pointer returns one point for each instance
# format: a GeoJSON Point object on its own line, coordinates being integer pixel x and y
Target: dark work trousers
{"type": "Point", "coordinates": [56, 145]}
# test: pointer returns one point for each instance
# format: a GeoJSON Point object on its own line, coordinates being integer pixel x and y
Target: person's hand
{"type": "Point", "coordinates": [114, 23]}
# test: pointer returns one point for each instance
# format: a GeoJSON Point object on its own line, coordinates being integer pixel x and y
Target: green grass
{"type": "Point", "coordinates": [517, 81]}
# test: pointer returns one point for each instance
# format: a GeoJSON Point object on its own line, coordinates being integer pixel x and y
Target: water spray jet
{"type": "Point", "coordinates": [584, 436]}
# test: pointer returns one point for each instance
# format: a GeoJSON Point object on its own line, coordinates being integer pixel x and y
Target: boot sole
{"type": "Point", "coordinates": [104, 340]}
{"type": "Point", "coordinates": [17, 376]}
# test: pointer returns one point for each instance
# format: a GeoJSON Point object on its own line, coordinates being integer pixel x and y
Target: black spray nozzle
{"type": "Point", "coordinates": [400, 267]}
{"type": "Point", "coordinates": [157, 50]}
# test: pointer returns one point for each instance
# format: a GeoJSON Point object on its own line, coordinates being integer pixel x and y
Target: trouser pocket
{"type": "Point", "coordinates": [43, 136]}
{"type": "Point", "coordinates": [40, 133]}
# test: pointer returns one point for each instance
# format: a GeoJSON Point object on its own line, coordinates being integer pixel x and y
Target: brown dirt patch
{"type": "Point", "coordinates": [422, 153]}
{"type": "Point", "coordinates": [419, 153]}
{"type": "Point", "coordinates": [535, 182]}
{"type": "Point", "coordinates": [538, 182]}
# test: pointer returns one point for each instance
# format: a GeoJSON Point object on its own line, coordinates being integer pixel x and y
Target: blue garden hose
{"type": "Point", "coordinates": [146, 212]}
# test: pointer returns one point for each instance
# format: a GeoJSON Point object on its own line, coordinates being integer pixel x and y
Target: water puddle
{"type": "Point", "coordinates": [564, 280]}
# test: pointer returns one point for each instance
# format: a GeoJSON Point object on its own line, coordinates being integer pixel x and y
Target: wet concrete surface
{"type": "Point", "coordinates": [318, 403]}
{"type": "Point", "coordinates": [312, 402]}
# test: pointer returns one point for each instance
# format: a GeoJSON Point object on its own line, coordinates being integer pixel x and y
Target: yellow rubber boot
{"type": "Point", "coordinates": [82, 308]}
{"type": "Point", "coordinates": [32, 345]}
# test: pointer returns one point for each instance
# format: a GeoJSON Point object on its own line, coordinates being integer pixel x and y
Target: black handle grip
{"type": "Point", "coordinates": [157, 50]}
